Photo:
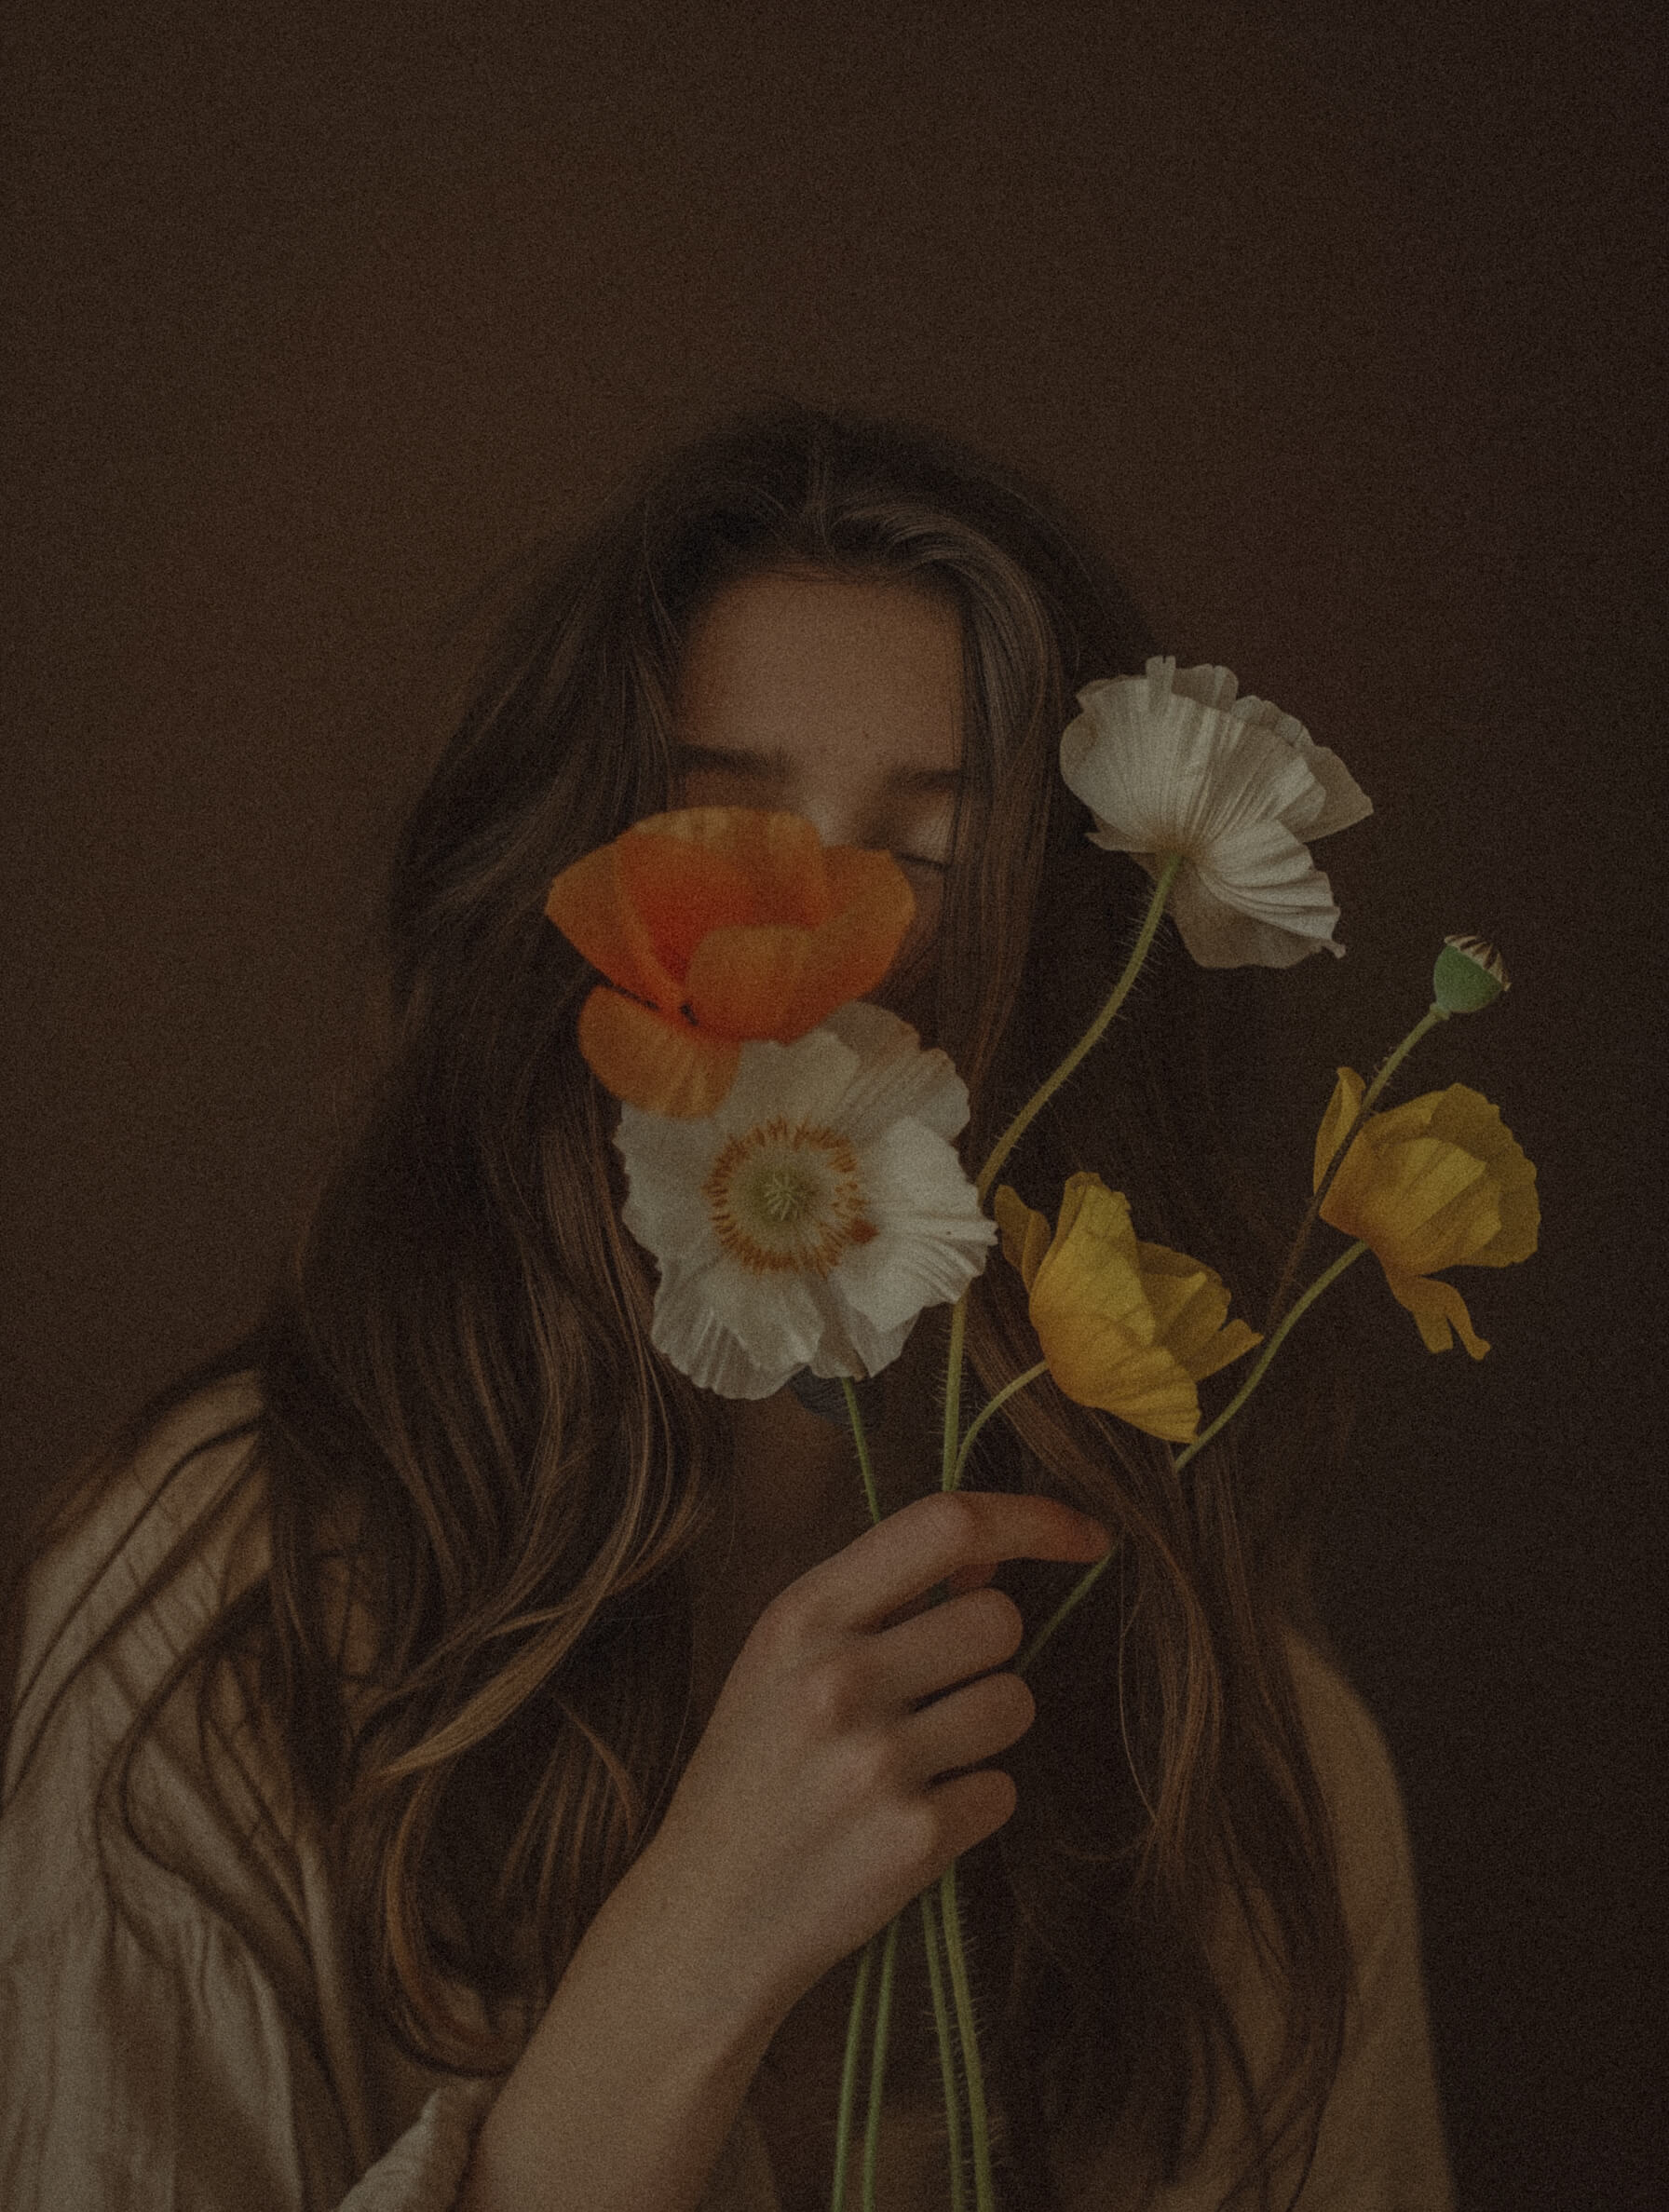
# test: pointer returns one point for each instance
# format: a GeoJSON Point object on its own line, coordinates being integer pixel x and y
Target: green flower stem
{"type": "Point", "coordinates": [948, 2053]}
{"type": "Point", "coordinates": [848, 2076]}
{"type": "Point", "coordinates": [1086, 1581]}
{"type": "Point", "coordinates": [865, 1469]}
{"type": "Point", "coordinates": [984, 2193]}
{"type": "Point", "coordinates": [985, 1412]}
{"type": "Point", "coordinates": [1092, 1036]}
{"type": "Point", "coordinates": [854, 2024]}
{"type": "Point", "coordinates": [1074, 1598]}
{"type": "Point", "coordinates": [878, 2063]}
{"type": "Point", "coordinates": [952, 1461]}
{"type": "Point", "coordinates": [953, 1393]}
{"type": "Point", "coordinates": [1387, 1068]}
{"type": "Point", "coordinates": [1324, 1281]}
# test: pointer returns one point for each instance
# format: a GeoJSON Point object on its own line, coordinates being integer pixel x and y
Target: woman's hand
{"type": "Point", "coordinates": [829, 1789]}
{"type": "Point", "coordinates": [815, 1807]}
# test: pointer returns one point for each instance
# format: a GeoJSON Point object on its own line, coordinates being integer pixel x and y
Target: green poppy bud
{"type": "Point", "coordinates": [1469, 975]}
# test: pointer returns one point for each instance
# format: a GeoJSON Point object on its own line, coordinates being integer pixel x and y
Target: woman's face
{"type": "Point", "coordinates": [839, 700]}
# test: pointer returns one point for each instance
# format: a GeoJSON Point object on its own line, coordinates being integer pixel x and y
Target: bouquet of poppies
{"type": "Point", "coordinates": [790, 1165]}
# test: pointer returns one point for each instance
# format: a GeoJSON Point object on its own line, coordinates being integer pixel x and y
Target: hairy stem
{"type": "Point", "coordinates": [984, 2191]}
{"type": "Point", "coordinates": [984, 1414]}
{"type": "Point", "coordinates": [878, 2063]}
{"type": "Point", "coordinates": [1092, 1036]}
{"type": "Point", "coordinates": [848, 2077]}
{"type": "Point", "coordinates": [1086, 1581]}
{"type": "Point", "coordinates": [948, 2053]}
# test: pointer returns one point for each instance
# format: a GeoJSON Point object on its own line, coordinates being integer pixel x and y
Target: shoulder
{"type": "Point", "coordinates": [141, 1564]}
{"type": "Point", "coordinates": [1365, 1800]}
{"type": "Point", "coordinates": [171, 1950]}
{"type": "Point", "coordinates": [1381, 2145]}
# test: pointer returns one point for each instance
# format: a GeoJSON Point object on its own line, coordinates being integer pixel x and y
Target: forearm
{"type": "Point", "coordinates": [634, 2076]}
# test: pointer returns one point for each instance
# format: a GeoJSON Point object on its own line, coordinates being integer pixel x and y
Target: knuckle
{"type": "Point", "coordinates": [831, 1694]}
{"type": "Point", "coordinates": [955, 1520]}
{"type": "Point", "coordinates": [781, 1626]}
{"type": "Point", "coordinates": [870, 1770]}
{"type": "Point", "coordinates": [919, 1839]}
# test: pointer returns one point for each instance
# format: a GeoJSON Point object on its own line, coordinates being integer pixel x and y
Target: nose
{"type": "Point", "coordinates": [840, 814]}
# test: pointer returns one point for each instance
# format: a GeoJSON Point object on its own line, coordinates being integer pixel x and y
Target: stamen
{"type": "Point", "coordinates": [786, 1197]}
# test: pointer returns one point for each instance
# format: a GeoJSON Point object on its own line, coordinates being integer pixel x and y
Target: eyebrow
{"type": "Point", "coordinates": [778, 763]}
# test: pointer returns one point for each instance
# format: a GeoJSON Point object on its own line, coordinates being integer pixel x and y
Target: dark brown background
{"type": "Point", "coordinates": [1341, 323]}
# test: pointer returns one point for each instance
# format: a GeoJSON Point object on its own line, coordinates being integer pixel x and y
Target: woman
{"type": "Point", "coordinates": [455, 1759]}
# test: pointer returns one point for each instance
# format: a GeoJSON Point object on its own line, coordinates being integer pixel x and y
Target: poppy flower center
{"type": "Point", "coordinates": [786, 1197]}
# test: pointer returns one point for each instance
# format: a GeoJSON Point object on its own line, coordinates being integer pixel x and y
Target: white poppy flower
{"type": "Point", "coordinates": [1172, 762]}
{"type": "Point", "coordinates": [810, 1220]}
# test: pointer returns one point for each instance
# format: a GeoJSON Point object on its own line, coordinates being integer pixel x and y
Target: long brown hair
{"type": "Point", "coordinates": [461, 1402]}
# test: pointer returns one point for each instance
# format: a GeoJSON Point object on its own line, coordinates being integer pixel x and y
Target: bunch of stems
{"type": "Point", "coordinates": [966, 2111]}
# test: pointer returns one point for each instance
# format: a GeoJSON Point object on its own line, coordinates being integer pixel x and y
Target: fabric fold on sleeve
{"type": "Point", "coordinates": [424, 2170]}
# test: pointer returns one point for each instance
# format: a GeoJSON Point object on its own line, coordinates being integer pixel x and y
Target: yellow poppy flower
{"type": "Point", "coordinates": [1126, 1327]}
{"type": "Point", "coordinates": [1437, 1182]}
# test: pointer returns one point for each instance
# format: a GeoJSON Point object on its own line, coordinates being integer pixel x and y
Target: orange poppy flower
{"type": "Point", "coordinates": [715, 925]}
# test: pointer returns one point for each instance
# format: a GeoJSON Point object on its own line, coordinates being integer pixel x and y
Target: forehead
{"type": "Point", "coordinates": [803, 665]}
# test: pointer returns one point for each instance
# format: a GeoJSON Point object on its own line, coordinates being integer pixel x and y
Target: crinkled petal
{"type": "Point", "coordinates": [1334, 800]}
{"type": "Point", "coordinates": [1421, 1203]}
{"type": "Point", "coordinates": [1435, 1306]}
{"type": "Point", "coordinates": [680, 889]}
{"type": "Point", "coordinates": [1430, 1205]}
{"type": "Point", "coordinates": [591, 904]}
{"type": "Point", "coordinates": [1026, 1233]}
{"type": "Point", "coordinates": [1174, 1283]}
{"type": "Point", "coordinates": [932, 1239]}
{"type": "Point", "coordinates": [1172, 763]}
{"type": "Point", "coordinates": [1237, 779]}
{"type": "Point", "coordinates": [852, 949]}
{"type": "Point", "coordinates": [1437, 1182]}
{"type": "Point", "coordinates": [1466, 1116]}
{"type": "Point", "coordinates": [894, 1075]}
{"type": "Point", "coordinates": [667, 1163]}
{"type": "Point", "coordinates": [1098, 1362]}
{"type": "Point", "coordinates": [1091, 1269]}
{"type": "Point", "coordinates": [1206, 1355]}
{"type": "Point", "coordinates": [1341, 1111]}
{"type": "Point", "coordinates": [1191, 1306]}
{"type": "Point", "coordinates": [741, 1336]}
{"type": "Point", "coordinates": [1206, 684]}
{"type": "Point", "coordinates": [742, 980]}
{"type": "Point", "coordinates": [741, 863]}
{"type": "Point", "coordinates": [1121, 767]}
{"type": "Point", "coordinates": [652, 1060]}
{"type": "Point", "coordinates": [804, 1081]}
{"type": "Point", "coordinates": [1219, 933]}
{"type": "Point", "coordinates": [741, 1317]}
{"type": "Point", "coordinates": [853, 1342]}
{"type": "Point", "coordinates": [1105, 1214]}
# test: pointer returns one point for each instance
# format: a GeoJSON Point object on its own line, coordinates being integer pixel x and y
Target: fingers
{"type": "Point", "coordinates": [973, 1723]}
{"type": "Point", "coordinates": [970, 1808]}
{"type": "Point", "coordinates": [933, 1539]}
{"type": "Point", "coordinates": [970, 1577]}
{"type": "Point", "coordinates": [966, 1636]}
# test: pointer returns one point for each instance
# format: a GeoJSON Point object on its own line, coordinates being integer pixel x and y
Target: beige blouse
{"type": "Point", "coordinates": [182, 2034]}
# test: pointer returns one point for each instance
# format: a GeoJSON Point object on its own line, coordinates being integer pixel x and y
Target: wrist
{"type": "Point", "coordinates": [692, 1958]}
